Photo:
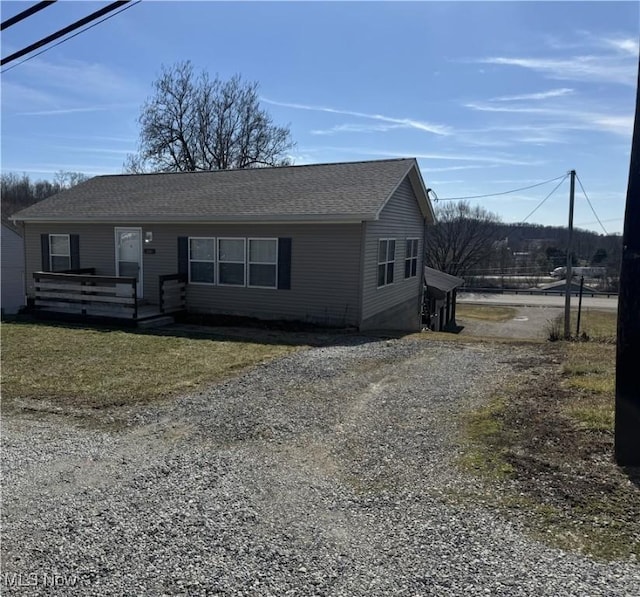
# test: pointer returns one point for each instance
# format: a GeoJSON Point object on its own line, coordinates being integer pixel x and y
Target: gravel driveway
{"type": "Point", "coordinates": [327, 472]}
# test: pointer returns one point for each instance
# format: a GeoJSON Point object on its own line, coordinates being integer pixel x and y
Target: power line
{"type": "Point", "coordinates": [594, 222]}
{"type": "Point", "coordinates": [547, 197]}
{"type": "Point", "coordinates": [591, 206]}
{"type": "Point", "coordinates": [127, 7]}
{"type": "Point", "coordinates": [533, 186]}
{"type": "Point", "coordinates": [58, 34]}
{"type": "Point", "coordinates": [26, 13]}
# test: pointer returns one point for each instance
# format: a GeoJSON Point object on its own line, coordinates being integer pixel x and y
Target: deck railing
{"type": "Point", "coordinates": [86, 294]}
{"type": "Point", "coordinates": [172, 293]}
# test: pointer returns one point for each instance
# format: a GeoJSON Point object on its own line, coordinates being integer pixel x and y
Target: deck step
{"type": "Point", "coordinates": [156, 322]}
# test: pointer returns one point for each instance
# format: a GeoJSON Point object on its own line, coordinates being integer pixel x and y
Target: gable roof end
{"type": "Point", "coordinates": [415, 179]}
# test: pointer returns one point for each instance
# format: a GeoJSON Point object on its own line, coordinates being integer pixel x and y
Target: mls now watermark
{"type": "Point", "coordinates": [39, 579]}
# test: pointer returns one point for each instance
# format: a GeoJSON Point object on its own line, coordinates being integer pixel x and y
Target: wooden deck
{"type": "Point", "coordinates": [81, 295]}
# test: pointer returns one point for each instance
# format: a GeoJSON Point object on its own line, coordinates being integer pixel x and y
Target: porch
{"type": "Point", "coordinates": [81, 295]}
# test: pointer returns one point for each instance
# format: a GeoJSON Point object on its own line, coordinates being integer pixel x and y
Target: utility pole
{"type": "Point", "coordinates": [567, 292]}
{"type": "Point", "coordinates": [627, 426]}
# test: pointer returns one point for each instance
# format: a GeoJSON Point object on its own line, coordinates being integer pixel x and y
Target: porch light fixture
{"type": "Point", "coordinates": [148, 236]}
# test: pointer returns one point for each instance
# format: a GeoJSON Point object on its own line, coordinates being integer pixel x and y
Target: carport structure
{"type": "Point", "coordinates": [439, 299]}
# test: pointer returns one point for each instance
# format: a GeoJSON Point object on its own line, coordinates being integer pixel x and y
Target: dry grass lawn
{"type": "Point", "coordinates": [597, 325]}
{"type": "Point", "coordinates": [485, 312]}
{"type": "Point", "coordinates": [104, 367]}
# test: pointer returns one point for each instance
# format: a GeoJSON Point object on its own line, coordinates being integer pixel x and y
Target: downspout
{"type": "Point", "coordinates": [422, 280]}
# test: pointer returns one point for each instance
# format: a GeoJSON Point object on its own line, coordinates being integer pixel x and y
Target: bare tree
{"type": "Point", "coordinates": [462, 239]}
{"type": "Point", "coordinates": [65, 179]}
{"type": "Point", "coordinates": [195, 123]}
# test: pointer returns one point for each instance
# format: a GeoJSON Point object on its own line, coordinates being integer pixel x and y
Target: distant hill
{"type": "Point", "coordinates": [589, 248]}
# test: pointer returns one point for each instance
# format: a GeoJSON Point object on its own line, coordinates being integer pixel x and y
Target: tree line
{"type": "Point", "coordinates": [19, 191]}
{"type": "Point", "coordinates": [470, 241]}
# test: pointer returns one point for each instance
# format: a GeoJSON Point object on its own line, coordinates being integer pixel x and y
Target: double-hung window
{"type": "Point", "coordinates": [231, 260]}
{"type": "Point", "coordinates": [386, 261]}
{"type": "Point", "coordinates": [59, 252]}
{"type": "Point", "coordinates": [263, 262]}
{"type": "Point", "coordinates": [202, 261]}
{"type": "Point", "coordinates": [411, 258]}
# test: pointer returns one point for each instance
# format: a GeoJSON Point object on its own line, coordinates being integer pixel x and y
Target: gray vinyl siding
{"type": "Point", "coordinates": [325, 268]}
{"type": "Point", "coordinates": [400, 219]}
{"type": "Point", "coordinates": [12, 275]}
{"type": "Point", "coordinates": [96, 247]}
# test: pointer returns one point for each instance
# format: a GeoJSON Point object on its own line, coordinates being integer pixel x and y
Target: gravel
{"type": "Point", "coordinates": [327, 472]}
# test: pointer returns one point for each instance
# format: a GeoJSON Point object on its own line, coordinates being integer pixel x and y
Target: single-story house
{"type": "Point", "coordinates": [333, 244]}
{"type": "Point", "coordinates": [12, 273]}
{"type": "Point", "coordinates": [439, 306]}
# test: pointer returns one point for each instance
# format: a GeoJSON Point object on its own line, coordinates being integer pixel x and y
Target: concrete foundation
{"type": "Point", "coordinates": [404, 317]}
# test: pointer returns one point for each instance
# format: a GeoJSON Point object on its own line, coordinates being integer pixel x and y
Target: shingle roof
{"type": "Point", "coordinates": [322, 192]}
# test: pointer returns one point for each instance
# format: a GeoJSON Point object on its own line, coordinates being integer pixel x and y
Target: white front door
{"type": "Point", "coordinates": [129, 255]}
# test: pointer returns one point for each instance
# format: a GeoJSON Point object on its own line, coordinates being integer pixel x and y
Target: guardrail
{"type": "Point", "coordinates": [530, 291]}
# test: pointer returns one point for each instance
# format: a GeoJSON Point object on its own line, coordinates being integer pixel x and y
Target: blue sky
{"type": "Point", "coordinates": [489, 96]}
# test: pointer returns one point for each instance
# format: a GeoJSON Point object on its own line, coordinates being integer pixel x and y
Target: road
{"type": "Point", "coordinates": [537, 300]}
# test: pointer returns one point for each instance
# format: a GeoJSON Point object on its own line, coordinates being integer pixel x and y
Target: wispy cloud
{"type": "Point", "coordinates": [67, 86]}
{"type": "Point", "coordinates": [568, 118]}
{"type": "Point", "coordinates": [625, 45]}
{"type": "Point", "coordinates": [488, 107]}
{"type": "Point", "coordinates": [99, 150]}
{"type": "Point", "coordinates": [621, 125]}
{"type": "Point", "coordinates": [452, 157]}
{"type": "Point", "coordinates": [552, 93]}
{"type": "Point", "coordinates": [443, 182]}
{"type": "Point", "coordinates": [79, 77]}
{"type": "Point", "coordinates": [128, 140]}
{"type": "Point", "coordinates": [55, 168]}
{"type": "Point", "coordinates": [64, 111]}
{"type": "Point", "coordinates": [357, 128]}
{"type": "Point", "coordinates": [410, 123]}
{"type": "Point", "coordinates": [592, 68]}
{"type": "Point", "coordinates": [454, 168]}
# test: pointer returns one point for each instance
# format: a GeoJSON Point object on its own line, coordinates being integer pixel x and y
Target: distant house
{"type": "Point", "coordinates": [334, 244]}
{"type": "Point", "coordinates": [12, 280]}
{"type": "Point", "coordinates": [440, 293]}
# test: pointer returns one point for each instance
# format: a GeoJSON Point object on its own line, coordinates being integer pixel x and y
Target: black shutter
{"type": "Point", "coordinates": [284, 263]}
{"type": "Point", "coordinates": [74, 248]}
{"type": "Point", "coordinates": [44, 247]}
{"type": "Point", "coordinates": [183, 255]}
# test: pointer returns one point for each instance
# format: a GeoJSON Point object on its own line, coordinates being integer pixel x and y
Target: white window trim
{"type": "Point", "coordinates": [243, 262]}
{"type": "Point", "coordinates": [250, 263]}
{"type": "Point", "coordinates": [411, 257]}
{"type": "Point", "coordinates": [214, 261]}
{"type": "Point", "coordinates": [386, 262]}
{"type": "Point", "coordinates": [52, 254]}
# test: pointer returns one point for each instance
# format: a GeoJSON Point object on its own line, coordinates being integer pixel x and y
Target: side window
{"type": "Point", "coordinates": [59, 252]}
{"type": "Point", "coordinates": [231, 260]}
{"type": "Point", "coordinates": [386, 261]}
{"type": "Point", "coordinates": [202, 260]}
{"type": "Point", "coordinates": [263, 262]}
{"type": "Point", "coordinates": [411, 258]}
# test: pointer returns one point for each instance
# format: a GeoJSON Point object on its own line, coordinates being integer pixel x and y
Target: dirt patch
{"type": "Point", "coordinates": [562, 475]}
